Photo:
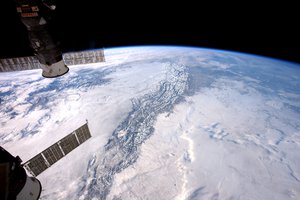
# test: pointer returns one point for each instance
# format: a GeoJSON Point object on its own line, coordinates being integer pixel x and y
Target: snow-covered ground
{"type": "Point", "coordinates": [219, 144]}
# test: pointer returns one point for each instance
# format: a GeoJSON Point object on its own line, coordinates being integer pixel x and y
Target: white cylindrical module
{"type": "Point", "coordinates": [54, 70]}
{"type": "Point", "coordinates": [31, 190]}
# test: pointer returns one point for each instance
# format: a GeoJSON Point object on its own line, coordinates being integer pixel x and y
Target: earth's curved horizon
{"type": "Point", "coordinates": [167, 122]}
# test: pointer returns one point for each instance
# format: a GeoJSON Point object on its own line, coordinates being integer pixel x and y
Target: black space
{"type": "Point", "coordinates": [269, 30]}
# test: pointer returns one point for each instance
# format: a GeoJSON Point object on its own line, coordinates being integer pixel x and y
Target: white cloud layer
{"type": "Point", "coordinates": [234, 133]}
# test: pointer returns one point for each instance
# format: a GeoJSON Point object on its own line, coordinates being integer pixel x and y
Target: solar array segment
{"type": "Point", "coordinates": [55, 152]}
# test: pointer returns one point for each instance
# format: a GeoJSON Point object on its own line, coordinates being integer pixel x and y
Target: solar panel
{"type": "Point", "coordinates": [84, 57]}
{"type": "Point", "coordinates": [68, 143]}
{"type": "Point", "coordinates": [55, 152]}
{"type": "Point", "coordinates": [36, 165]}
{"type": "Point", "coordinates": [31, 62]}
{"type": "Point", "coordinates": [20, 63]}
{"type": "Point", "coordinates": [83, 133]}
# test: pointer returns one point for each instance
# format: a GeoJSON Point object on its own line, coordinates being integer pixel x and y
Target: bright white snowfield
{"type": "Point", "coordinates": [166, 123]}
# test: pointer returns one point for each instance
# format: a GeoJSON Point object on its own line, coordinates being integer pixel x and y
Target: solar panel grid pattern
{"type": "Point", "coordinates": [37, 164]}
{"type": "Point", "coordinates": [55, 152]}
{"type": "Point", "coordinates": [68, 143]}
{"type": "Point", "coordinates": [71, 58]}
{"type": "Point", "coordinates": [83, 133]}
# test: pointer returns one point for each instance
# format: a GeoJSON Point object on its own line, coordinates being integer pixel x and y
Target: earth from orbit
{"type": "Point", "coordinates": [167, 122]}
